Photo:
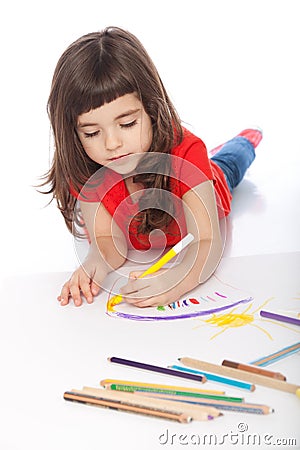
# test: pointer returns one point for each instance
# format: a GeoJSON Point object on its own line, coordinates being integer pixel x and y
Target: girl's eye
{"type": "Point", "coordinates": [90, 135]}
{"type": "Point", "coordinates": [128, 125]}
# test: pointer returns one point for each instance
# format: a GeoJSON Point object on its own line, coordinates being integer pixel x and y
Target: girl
{"type": "Point", "coordinates": [139, 179]}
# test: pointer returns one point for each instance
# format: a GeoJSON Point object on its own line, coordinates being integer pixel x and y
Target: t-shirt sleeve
{"type": "Point", "coordinates": [192, 165]}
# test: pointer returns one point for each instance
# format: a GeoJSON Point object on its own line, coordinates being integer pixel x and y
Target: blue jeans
{"type": "Point", "coordinates": [234, 158]}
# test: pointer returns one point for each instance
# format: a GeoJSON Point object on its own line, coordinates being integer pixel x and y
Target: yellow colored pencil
{"type": "Point", "coordinates": [115, 300]}
{"type": "Point", "coordinates": [108, 382]}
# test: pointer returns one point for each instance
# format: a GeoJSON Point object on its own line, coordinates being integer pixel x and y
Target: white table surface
{"type": "Point", "coordinates": [47, 349]}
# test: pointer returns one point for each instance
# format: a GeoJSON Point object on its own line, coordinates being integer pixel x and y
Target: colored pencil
{"type": "Point", "coordinates": [219, 404]}
{"type": "Point", "coordinates": [181, 245]}
{"type": "Point", "coordinates": [253, 369]}
{"type": "Point", "coordinates": [280, 317]}
{"type": "Point", "coordinates": [273, 357]}
{"type": "Point", "coordinates": [163, 370]}
{"type": "Point", "coordinates": [217, 378]}
{"type": "Point", "coordinates": [196, 412]}
{"type": "Point", "coordinates": [240, 374]}
{"type": "Point", "coordinates": [156, 411]}
{"type": "Point", "coordinates": [175, 393]}
{"type": "Point", "coordinates": [107, 382]}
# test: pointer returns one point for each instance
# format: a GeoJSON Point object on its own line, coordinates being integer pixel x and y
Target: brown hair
{"type": "Point", "coordinates": [96, 69]}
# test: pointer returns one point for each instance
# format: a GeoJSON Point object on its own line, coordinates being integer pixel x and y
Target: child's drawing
{"type": "Point", "coordinates": [212, 297]}
{"type": "Point", "coordinates": [237, 318]}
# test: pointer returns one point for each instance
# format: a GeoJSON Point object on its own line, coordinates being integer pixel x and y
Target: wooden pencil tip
{"type": "Point", "coordinates": [252, 388]}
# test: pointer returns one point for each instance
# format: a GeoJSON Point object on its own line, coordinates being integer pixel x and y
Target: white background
{"type": "Point", "coordinates": [226, 64]}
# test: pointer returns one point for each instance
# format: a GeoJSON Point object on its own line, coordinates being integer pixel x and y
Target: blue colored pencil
{"type": "Point", "coordinates": [273, 357]}
{"type": "Point", "coordinates": [237, 374]}
{"type": "Point", "coordinates": [219, 404]}
{"type": "Point", "coordinates": [217, 378]}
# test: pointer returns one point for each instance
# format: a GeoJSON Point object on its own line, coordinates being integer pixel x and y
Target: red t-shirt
{"type": "Point", "coordinates": [190, 166]}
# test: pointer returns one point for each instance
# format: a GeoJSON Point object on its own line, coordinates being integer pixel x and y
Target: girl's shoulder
{"type": "Point", "coordinates": [190, 163]}
{"type": "Point", "coordinates": [189, 143]}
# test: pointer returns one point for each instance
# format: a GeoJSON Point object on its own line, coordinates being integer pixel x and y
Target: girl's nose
{"type": "Point", "coordinates": [112, 141]}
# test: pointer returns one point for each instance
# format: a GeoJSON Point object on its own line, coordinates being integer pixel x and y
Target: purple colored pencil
{"type": "Point", "coordinates": [280, 317]}
{"type": "Point", "coordinates": [164, 370]}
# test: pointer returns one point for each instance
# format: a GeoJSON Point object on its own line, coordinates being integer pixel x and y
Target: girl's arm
{"type": "Point", "coordinates": [107, 252]}
{"type": "Point", "coordinates": [199, 262]}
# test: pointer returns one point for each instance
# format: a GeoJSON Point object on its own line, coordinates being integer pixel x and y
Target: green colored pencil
{"type": "Point", "coordinates": [146, 389]}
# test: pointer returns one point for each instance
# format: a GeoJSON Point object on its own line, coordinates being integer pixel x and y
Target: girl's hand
{"type": "Point", "coordinates": [152, 290]}
{"type": "Point", "coordinates": [81, 284]}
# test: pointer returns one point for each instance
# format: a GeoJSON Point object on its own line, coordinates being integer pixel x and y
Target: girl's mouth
{"type": "Point", "coordinates": [118, 157]}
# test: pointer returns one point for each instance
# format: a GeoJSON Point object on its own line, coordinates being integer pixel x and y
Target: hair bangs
{"type": "Point", "coordinates": [104, 85]}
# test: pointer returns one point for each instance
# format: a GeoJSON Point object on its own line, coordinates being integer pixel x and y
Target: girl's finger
{"type": "Point", "coordinates": [135, 287]}
{"type": "Point", "coordinates": [75, 293]}
{"type": "Point", "coordinates": [158, 300]}
{"type": "Point", "coordinates": [85, 288]}
{"type": "Point", "coordinates": [95, 288]}
{"type": "Point", "coordinates": [64, 297]}
{"type": "Point", "coordinates": [145, 303]}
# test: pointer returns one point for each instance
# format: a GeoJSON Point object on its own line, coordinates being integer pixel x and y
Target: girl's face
{"type": "Point", "coordinates": [116, 134]}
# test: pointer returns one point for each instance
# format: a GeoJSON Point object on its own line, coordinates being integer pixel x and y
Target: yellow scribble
{"type": "Point", "coordinates": [233, 319]}
{"type": "Point", "coordinates": [113, 301]}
